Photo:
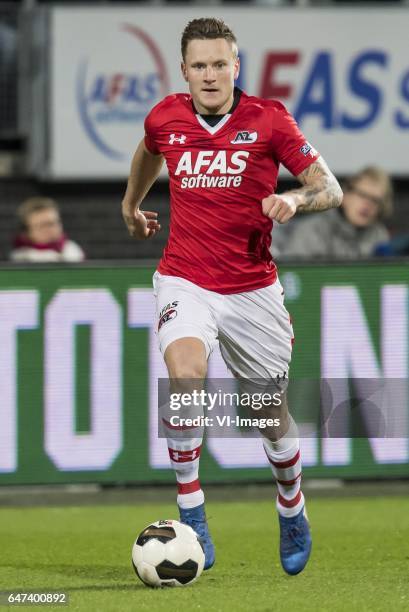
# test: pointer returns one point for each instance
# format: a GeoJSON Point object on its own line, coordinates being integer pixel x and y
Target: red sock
{"type": "Point", "coordinates": [285, 461]}
{"type": "Point", "coordinates": [184, 458]}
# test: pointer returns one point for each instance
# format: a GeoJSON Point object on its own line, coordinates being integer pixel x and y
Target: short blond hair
{"type": "Point", "coordinates": [376, 174]}
{"type": "Point", "coordinates": [33, 205]}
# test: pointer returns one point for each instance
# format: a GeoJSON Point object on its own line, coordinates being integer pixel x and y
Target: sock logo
{"type": "Point", "coordinates": [181, 456]}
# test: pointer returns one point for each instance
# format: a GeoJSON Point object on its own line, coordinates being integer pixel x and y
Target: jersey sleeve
{"type": "Point", "coordinates": [150, 135]}
{"type": "Point", "coordinates": [290, 146]}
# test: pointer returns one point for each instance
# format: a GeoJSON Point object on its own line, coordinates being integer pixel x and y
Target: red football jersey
{"type": "Point", "coordinates": [219, 238]}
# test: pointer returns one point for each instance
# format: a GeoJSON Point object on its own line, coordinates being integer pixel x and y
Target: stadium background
{"type": "Point", "coordinates": [72, 101]}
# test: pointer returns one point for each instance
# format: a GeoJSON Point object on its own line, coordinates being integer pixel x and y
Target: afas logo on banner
{"type": "Point", "coordinates": [115, 95]}
{"type": "Point", "coordinates": [366, 80]}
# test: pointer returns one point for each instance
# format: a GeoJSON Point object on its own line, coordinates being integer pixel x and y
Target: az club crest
{"type": "Point", "coordinates": [244, 137]}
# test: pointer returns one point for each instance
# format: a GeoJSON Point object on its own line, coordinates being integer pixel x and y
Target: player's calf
{"type": "Point", "coordinates": [295, 538]}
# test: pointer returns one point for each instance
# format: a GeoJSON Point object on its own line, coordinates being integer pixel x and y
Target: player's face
{"type": "Point", "coordinates": [44, 226]}
{"type": "Point", "coordinates": [210, 68]}
{"type": "Point", "coordinates": [362, 203]}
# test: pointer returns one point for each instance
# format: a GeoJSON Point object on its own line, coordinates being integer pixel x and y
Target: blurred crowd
{"type": "Point", "coordinates": [354, 231]}
{"type": "Point", "coordinates": [40, 237]}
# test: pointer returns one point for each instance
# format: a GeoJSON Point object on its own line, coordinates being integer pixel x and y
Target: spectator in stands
{"type": "Point", "coordinates": [42, 238]}
{"type": "Point", "coordinates": [351, 231]}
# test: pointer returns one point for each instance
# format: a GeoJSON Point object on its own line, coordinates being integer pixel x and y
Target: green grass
{"type": "Point", "coordinates": [360, 558]}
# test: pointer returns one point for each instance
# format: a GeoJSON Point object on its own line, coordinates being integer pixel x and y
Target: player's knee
{"type": "Point", "coordinates": [186, 359]}
{"type": "Point", "coordinates": [187, 370]}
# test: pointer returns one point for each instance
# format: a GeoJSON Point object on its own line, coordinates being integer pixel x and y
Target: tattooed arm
{"type": "Point", "coordinates": [320, 191]}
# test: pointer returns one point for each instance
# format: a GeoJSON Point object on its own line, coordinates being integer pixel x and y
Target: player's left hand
{"type": "Point", "coordinates": [280, 208]}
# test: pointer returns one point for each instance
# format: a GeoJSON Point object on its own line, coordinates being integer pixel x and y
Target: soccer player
{"type": "Point", "coordinates": [216, 280]}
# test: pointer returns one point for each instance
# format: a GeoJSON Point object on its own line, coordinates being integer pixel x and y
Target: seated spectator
{"type": "Point", "coordinates": [42, 238]}
{"type": "Point", "coordinates": [353, 230]}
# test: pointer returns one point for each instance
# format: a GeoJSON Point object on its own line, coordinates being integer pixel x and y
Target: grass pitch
{"type": "Point", "coordinates": [360, 558]}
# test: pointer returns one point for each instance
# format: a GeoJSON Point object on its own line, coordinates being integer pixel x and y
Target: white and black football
{"type": "Point", "coordinates": [168, 553]}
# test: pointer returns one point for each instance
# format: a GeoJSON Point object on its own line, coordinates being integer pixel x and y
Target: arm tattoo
{"type": "Point", "coordinates": [320, 189]}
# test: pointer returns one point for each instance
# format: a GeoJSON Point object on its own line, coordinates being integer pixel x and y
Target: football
{"type": "Point", "coordinates": [168, 553]}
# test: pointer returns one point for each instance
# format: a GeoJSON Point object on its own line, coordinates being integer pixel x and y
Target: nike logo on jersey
{"type": "Point", "coordinates": [244, 137]}
{"type": "Point", "coordinates": [173, 138]}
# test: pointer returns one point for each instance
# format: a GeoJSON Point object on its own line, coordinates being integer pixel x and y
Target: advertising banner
{"type": "Point", "coordinates": [80, 371]}
{"type": "Point", "coordinates": [343, 73]}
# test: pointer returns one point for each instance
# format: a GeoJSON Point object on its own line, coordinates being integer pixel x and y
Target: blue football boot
{"type": "Point", "coordinates": [196, 519]}
{"type": "Point", "coordinates": [295, 542]}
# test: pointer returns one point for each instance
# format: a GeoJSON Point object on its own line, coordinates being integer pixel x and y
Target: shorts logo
{"type": "Point", "coordinates": [244, 136]}
{"type": "Point", "coordinates": [167, 313]}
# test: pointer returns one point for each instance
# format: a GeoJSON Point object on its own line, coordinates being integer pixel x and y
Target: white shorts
{"type": "Point", "coordinates": [253, 328]}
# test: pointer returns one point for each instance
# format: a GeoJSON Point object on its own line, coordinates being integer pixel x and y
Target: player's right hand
{"type": "Point", "coordinates": [143, 224]}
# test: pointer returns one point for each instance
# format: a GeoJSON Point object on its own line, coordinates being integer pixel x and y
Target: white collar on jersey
{"type": "Point", "coordinates": [215, 128]}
